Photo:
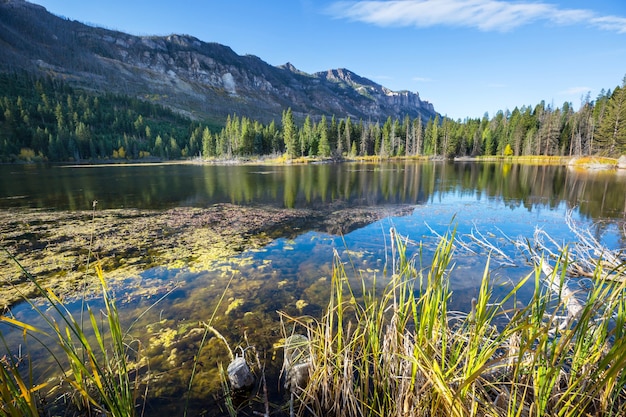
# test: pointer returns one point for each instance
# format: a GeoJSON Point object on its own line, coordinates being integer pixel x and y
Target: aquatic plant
{"type": "Point", "coordinates": [96, 362]}
{"type": "Point", "coordinates": [17, 396]}
{"type": "Point", "coordinates": [403, 353]}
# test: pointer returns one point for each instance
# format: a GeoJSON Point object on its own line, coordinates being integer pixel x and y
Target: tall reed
{"type": "Point", "coordinates": [18, 396]}
{"type": "Point", "coordinates": [404, 353]}
{"type": "Point", "coordinates": [96, 358]}
{"type": "Point", "coordinates": [98, 362]}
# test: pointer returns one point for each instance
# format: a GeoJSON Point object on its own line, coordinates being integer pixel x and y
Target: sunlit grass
{"type": "Point", "coordinates": [402, 352]}
{"type": "Point", "coordinates": [528, 159]}
{"type": "Point", "coordinates": [18, 397]}
{"type": "Point", "coordinates": [592, 162]}
{"type": "Point", "coordinates": [98, 357]}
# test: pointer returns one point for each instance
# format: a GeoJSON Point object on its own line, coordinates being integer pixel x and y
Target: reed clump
{"type": "Point", "coordinates": [101, 369]}
{"type": "Point", "coordinates": [401, 352]}
{"type": "Point", "coordinates": [97, 360]}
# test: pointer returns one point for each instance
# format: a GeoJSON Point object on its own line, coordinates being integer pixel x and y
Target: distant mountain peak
{"type": "Point", "coordinates": [289, 67]}
{"type": "Point", "coordinates": [349, 77]}
{"type": "Point", "coordinates": [200, 79]}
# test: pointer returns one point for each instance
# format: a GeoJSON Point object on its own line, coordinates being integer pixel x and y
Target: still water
{"type": "Point", "coordinates": [596, 195]}
{"type": "Point", "coordinates": [496, 200]}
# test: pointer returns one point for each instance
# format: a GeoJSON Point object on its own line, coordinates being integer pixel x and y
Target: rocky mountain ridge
{"type": "Point", "coordinates": [200, 79]}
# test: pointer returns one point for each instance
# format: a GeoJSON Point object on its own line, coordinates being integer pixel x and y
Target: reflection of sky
{"type": "Point", "coordinates": [490, 218]}
{"type": "Point", "coordinates": [489, 214]}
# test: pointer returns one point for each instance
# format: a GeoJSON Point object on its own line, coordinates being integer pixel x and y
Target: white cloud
{"type": "Point", "coordinates": [486, 15]}
{"type": "Point", "coordinates": [575, 90]}
{"type": "Point", "coordinates": [610, 23]}
{"type": "Point", "coordinates": [422, 79]}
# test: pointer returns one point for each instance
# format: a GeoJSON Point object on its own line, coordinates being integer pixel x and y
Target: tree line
{"type": "Point", "coordinates": [44, 119]}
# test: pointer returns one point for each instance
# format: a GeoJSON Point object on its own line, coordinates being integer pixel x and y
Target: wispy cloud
{"type": "Point", "coordinates": [422, 79]}
{"type": "Point", "coordinates": [485, 15]}
{"type": "Point", "coordinates": [380, 77]}
{"type": "Point", "coordinates": [611, 23]}
{"type": "Point", "coordinates": [575, 90]}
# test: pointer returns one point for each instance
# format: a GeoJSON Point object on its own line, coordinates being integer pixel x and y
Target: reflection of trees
{"type": "Point", "coordinates": [291, 189]}
{"type": "Point", "coordinates": [597, 194]}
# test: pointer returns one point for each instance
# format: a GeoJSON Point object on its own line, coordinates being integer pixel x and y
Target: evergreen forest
{"type": "Point", "coordinates": [44, 119]}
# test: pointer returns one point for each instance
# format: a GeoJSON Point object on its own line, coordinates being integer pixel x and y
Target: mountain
{"type": "Point", "coordinates": [202, 80]}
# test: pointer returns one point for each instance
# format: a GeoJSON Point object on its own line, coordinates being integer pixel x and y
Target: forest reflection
{"type": "Point", "coordinates": [597, 194]}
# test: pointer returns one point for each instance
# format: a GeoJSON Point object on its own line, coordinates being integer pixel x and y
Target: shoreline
{"type": "Point", "coordinates": [589, 162]}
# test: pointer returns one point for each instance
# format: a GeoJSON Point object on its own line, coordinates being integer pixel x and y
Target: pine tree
{"type": "Point", "coordinates": [408, 140]}
{"type": "Point", "coordinates": [339, 149]}
{"type": "Point", "coordinates": [289, 134]}
{"type": "Point", "coordinates": [323, 149]}
{"type": "Point", "coordinates": [611, 136]}
{"type": "Point", "coordinates": [487, 139]}
{"type": "Point", "coordinates": [364, 140]}
{"type": "Point", "coordinates": [246, 144]}
{"type": "Point", "coordinates": [307, 136]}
{"type": "Point", "coordinates": [386, 149]}
{"type": "Point", "coordinates": [274, 137]}
{"type": "Point", "coordinates": [208, 145]}
{"type": "Point", "coordinates": [347, 131]}
{"type": "Point", "coordinates": [418, 136]}
{"type": "Point", "coordinates": [552, 133]}
{"type": "Point", "coordinates": [332, 133]}
{"type": "Point", "coordinates": [431, 136]}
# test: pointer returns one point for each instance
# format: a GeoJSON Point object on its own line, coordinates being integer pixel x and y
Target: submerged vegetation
{"type": "Point", "coordinates": [384, 348]}
{"type": "Point", "coordinates": [52, 244]}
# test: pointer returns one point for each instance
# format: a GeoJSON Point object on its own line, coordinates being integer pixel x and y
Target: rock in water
{"type": "Point", "coordinates": [297, 362]}
{"type": "Point", "coordinates": [239, 373]}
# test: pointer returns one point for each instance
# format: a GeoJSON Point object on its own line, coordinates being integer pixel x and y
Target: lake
{"type": "Point", "coordinates": [307, 215]}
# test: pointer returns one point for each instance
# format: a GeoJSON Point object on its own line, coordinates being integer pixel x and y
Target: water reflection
{"type": "Point", "coordinates": [597, 194]}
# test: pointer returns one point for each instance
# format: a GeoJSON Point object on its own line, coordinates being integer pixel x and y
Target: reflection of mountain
{"type": "Point", "coordinates": [598, 195]}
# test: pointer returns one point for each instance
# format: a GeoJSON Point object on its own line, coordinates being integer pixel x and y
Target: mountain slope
{"type": "Point", "coordinates": [203, 80]}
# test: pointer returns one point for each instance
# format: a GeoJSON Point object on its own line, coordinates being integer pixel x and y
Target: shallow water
{"type": "Point", "coordinates": [292, 273]}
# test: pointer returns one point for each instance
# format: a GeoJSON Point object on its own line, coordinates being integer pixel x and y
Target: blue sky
{"type": "Point", "coordinates": [466, 57]}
